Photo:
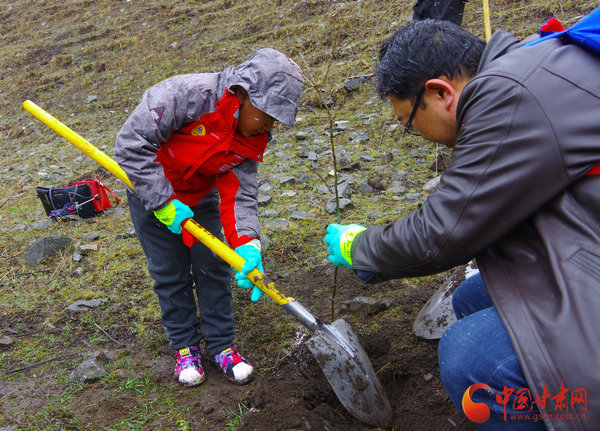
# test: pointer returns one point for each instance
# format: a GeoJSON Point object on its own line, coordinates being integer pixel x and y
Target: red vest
{"type": "Point", "coordinates": [199, 152]}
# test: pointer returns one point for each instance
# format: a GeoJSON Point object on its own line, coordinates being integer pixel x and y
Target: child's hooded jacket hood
{"type": "Point", "coordinates": [273, 82]}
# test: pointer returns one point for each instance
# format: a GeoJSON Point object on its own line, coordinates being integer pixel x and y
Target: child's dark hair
{"type": "Point", "coordinates": [423, 50]}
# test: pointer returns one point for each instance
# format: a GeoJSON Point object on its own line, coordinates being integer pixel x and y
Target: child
{"type": "Point", "coordinates": [192, 140]}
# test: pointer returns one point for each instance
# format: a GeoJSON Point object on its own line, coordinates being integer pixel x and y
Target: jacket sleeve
{"type": "Point", "coordinates": [163, 109]}
{"type": "Point", "coordinates": [506, 165]}
{"type": "Point", "coordinates": [238, 189]}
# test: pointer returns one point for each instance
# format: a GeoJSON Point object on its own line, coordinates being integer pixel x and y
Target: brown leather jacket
{"type": "Point", "coordinates": [515, 196]}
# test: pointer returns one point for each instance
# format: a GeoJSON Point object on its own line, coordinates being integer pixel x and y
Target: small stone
{"type": "Point", "coordinates": [83, 305]}
{"type": "Point", "coordinates": [87, 248]}
{"type": "Point", "coordinates": [5, 340]}
{"type": "Point", "coordinates": [264, 200]}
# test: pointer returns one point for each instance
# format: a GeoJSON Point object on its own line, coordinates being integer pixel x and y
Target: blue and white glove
{"type": "Point", "coordinates": [251, 254]}
{"type": "Point", "coordinates": [339, 240]}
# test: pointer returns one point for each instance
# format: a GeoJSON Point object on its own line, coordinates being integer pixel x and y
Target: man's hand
{"type": "Point", "coordinates": [339, 240]}
{"type": "Point", "coordinates": [251, 254]}
{"type": "Point", "coordinates": [174, 214]}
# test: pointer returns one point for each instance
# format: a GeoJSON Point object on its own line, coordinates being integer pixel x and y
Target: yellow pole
{"type": "Point", "coordinates": [197, 231]}
{"type": "Point", "coordinates": [77, 140]}
{"type": "Point", "coordinates": [486, 20]}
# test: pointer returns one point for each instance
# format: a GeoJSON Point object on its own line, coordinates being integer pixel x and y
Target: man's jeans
{"type": "Point", "coordinates": [169, 264]}
{"type": "Point", "coordinates": [477, 349]}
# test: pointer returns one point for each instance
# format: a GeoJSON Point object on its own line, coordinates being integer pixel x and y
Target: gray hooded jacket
{"type": "Point", "coordinates": [273, 82]}
{"type": "Point", "coordinates": [516, 197]}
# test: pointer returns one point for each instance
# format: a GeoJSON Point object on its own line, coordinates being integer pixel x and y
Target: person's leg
{"type": "Point", "coordinates": [470, 296]}
{"type": "Point", "coordinates": [422, 9]}
{"type": "Point", "coordinates": [169, 265]}
{"type": "Point", "coordinates": [477, 349]}
{"type": "Point", "coordinates": [213, 285]}
{"type": "Point", "coordinates": [446, 10]}
{"type": "Point", "coordinates": [212, 276]}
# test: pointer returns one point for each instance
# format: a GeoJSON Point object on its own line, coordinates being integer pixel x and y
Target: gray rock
{"type": "Point", "coordinates": [289, 194]}
{"type": "Point", "coordinates": [42, 224]}
{"type": "Point", "coordinates": [78, 272]}
{"type": "Point", "coordinates": [365, 306]}
{"type": "Point", "coordinates": [302, 215]}
{"type": "Point", "coordinates": [412, 197]}
{"type": "Point", "coordinates": [270, 213]}
{"type": "Point", "coordinates": [367, 158]}
{"type": "Point", "coordinates": [343, 158]}
{"type": "Point", "coordinates": [356, 82]}
{"type": "Point", "coordinates": [357, 138]}
{"type": "Point", "coordinates": [330, 206]}
{"type": "Point", "coordinates": [5, 340]}
{"type": "Point", "coordinates": [365, 188]}
{"type": "Point", "coordinates": [398, 188]}
{"type": "Point", "coordinates": [301, 136]}
{"type": "Point", "coordinates": [279, 224]}
{"type": "Point", "coordinates": [398, 175]}
{"type": "Point", "coordinates": [264, 200]}
{"type": "Point", "coordinates": [341, 125]}
{"type": "Point", "coordinates": [287, 179]}
{"type": "Point", "coordinates": [265, 188]}
{"type": "Point", "coordinates": [90, 237]}
{"type": "Point", "coordinates": [303, 178]}
{"type": "Point", "coordinates": [46, 247]}
{"type": "Point", "coordinates": [431, 185]}
{"type": "Point", "coordinates": [91, 369]}
{"type": "Point", "coordinates": [129, 234]}
{"type": "Point", "coordinates": [86, 249]}
{"type": "Point", "coordinates": [354, 166]}
{"type": "Point", "coordinates": [85, 305]}
{"type": "Point", "coordinates": [323, 190]}
{"type": "Point", "coordinates": [344, 190]}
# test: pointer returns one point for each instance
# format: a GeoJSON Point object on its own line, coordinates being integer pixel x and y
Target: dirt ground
{"type": "Point", "coordinates": [293, 394]}
{"type": "Point", "coordinates": [296, 396]}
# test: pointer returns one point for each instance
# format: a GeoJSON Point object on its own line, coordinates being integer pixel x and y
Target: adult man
{"type": "Point", "coordinates": [523, 122]}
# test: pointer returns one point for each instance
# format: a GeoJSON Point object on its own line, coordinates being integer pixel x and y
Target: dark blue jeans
{"type": "Point", "coordinates": [477, 349]}
{"type": "Point", "coordinates": [178, 271]}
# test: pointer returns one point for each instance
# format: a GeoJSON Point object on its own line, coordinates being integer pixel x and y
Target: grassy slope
{"type": "Point", "coordinates": [59, 53]}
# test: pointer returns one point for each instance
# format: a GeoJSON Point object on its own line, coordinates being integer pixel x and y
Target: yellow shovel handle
{"type": "Point", "coordinates": [93, 152]}
{"type": "Point", "coordinates": [234, 260]}
{"type": "Point", "coordinates": [197, 231]}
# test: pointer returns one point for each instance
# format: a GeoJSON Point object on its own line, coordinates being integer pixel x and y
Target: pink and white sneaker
{"type": "Point", "coordinates": [235, 367]}
{"type": "Point", "coordinates": [188, 370]}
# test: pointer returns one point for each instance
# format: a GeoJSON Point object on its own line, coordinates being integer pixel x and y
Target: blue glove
{"type": "Point", "coordinates": [251, 254]}
{"type": "Point", "coordinates": [174, 214]}
{"type": "Point", "coordinates": [339, 240]}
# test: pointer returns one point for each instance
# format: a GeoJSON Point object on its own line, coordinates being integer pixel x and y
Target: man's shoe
{"type": "Point", "coordinates": [234, 366]}
{"type": "Point", "coordinates": [188, 370]}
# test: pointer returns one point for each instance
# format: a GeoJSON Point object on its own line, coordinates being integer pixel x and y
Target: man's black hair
{"type": "Point", "coordinates": [423, 50]}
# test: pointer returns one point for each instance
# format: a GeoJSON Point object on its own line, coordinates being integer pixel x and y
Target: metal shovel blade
{"type": "Point", "coordinates": [349, 372]}
{"type": "Point", "coordinates": [437, 314]}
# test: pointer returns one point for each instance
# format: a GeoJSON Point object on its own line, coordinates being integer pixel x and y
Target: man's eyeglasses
{"type": "Point", "coordinates": [409, 127]}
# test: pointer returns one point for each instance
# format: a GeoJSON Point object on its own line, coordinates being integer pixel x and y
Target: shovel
{"type": "Point", "coordinates": [437, 314]}
{"type": "Point", "coordinates": [335, 347]}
